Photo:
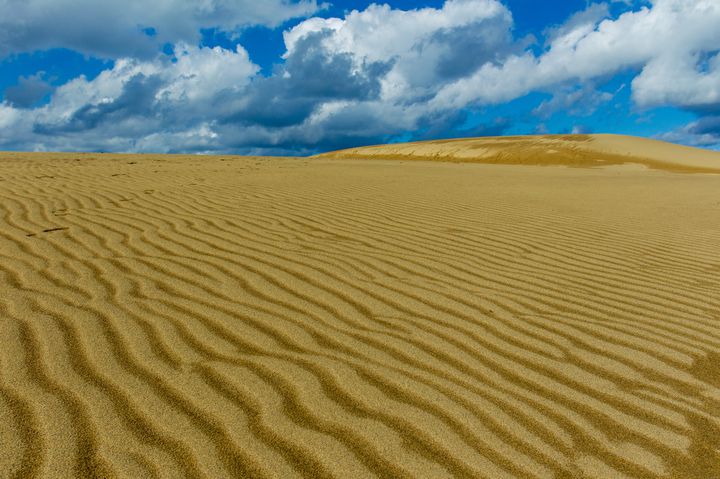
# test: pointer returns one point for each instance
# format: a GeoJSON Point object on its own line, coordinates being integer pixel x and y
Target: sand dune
{"type": "Point", "coordinates": [179, 316]}
{"type": "Point", "coordinates": [567, 150]}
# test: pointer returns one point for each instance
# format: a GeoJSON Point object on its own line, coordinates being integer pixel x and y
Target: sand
{"type": "Point", "coordinates": [565, 150]}
{"type": "Point", "coordinates": [184, 316]}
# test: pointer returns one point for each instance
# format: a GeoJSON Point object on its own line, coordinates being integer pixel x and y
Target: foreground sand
{"type": "Point", "coordinates": [240, 317]}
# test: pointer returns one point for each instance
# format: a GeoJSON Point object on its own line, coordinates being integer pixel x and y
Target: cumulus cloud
{"type": "Point", "coordinates": [309, 77]}
{"type": "Point", "coordinates": [664, 40]}
{"type": "Point", "coordinates": [132, 100]}
{"type": "Point", "coordinates": [137, 28]}
{"type": "Point", "coordinates": [338, 85]}
{"type": "Point", "coordinates": [682, 79]}
{"type": "Point", "coordinates": [374, 74]}
{"type": "Point", "coordinates": [427, 47]}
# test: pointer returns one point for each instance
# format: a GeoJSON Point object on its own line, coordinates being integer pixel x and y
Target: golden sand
{"type": "Point", "coordinates": [564, 150]}
{"type": "Point", "coordinates": [184, 316]}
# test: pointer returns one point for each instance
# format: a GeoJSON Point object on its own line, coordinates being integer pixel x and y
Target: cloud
{"type": "Point", "coordinates": [132, 100]}
{"type": "Point", "coordinates": [371, 76]}
{"type": "Point", "coordinates": [29, 91]}
{"type": "Point", "coordinates": [134, 28]}
{"type": "Point", "coordinates": [310, 76]}
{"type": "Point", "coordinates": [338, 85]}
{"type": "Point", "coordinates": [591, 16]}
{"type": "Point", "coordinates": [136, 99]}
{"type": "Point", "coordinates": [665, 41]}
{"type": "Point", "coordinates": [581, 130]}
{"type": "Point", "coordinates": [704, 132]}
{"type": "Point", "coordinates": [427, 47]}
{"type": "Point", "coordinates": [576, 101]}
{"type": "Point", "coordinates": [681, 79]}
{"type": "Point", "coordinates": [706, 126]}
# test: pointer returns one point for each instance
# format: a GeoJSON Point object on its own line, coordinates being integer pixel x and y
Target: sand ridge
{"type": "Point", "coordinates": [567, 150]}
{"type": "Point", "coordinates": [183, 316]}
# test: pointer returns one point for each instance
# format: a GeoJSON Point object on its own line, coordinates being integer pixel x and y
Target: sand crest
{"type": "Point", "coordinates": [184, 316]}
{"type": "Point", "coordinates": [567, 150]}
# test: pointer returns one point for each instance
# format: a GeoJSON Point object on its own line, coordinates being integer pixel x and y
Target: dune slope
{"type": "Point", "coordinates": [568, 150]}
{"type": "Point", "coordinates": [168, 316]}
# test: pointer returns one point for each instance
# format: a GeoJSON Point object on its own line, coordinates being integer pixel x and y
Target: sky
{"type": "Point", "coordinates": [299, 77]}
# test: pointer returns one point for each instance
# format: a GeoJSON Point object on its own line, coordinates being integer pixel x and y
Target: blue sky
{"type": "Point", "coordinates": [299, 77]}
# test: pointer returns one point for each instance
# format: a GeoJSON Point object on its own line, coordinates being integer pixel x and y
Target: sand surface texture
{"type": "Point", "coordinates": [169, 316]}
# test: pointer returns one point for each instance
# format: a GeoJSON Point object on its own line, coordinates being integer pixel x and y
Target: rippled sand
{"type": "Point", "coordinates": [179, 316]}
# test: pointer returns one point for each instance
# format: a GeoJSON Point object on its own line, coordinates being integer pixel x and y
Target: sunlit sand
{"type": "Point", "coordinates": [502, 307]}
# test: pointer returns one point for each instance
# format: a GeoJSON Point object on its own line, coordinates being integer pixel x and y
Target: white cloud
{"type": "Point", "coordinates": [371, 74]}
{"type": "Point", "coordinates": [200, 73]}
{"type": "Point", "coordinates": [491, 84]}
{"type": "Point", "coordinates": [425, 45]}
{"type": "Point", "coordinates": [114, 28]}
{"type": "Point", "coordinates": [679, 80]}
{"type": "Point", "coordinates": [9, 116]}
{"type": "Point", "coordinates": [579, 21]}
{"type": "Point", "coordinates": [379, 32]}
{"type": "Point", "coordinates": [664, 40]}
{"type": "Point", "coordinates": [134, 99]}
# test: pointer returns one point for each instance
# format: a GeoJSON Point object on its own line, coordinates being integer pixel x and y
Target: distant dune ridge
{"type": "Point", "coordinates": [187, 316]}
{"type": "Point", "coordinates": [569, 150]}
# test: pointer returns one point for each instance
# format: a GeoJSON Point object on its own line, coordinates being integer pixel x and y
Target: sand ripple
{"type": "Point", "coordinates": [249, 317]}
